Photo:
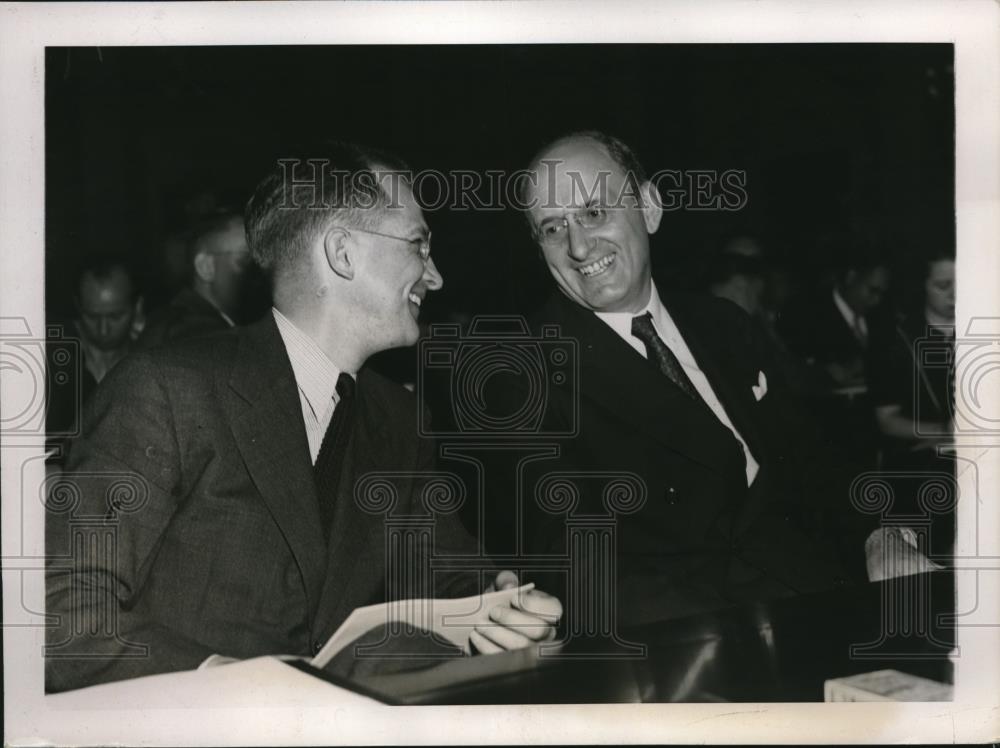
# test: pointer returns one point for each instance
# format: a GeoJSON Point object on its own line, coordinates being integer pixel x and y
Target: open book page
{"type": "Point", "coordinates": [452, 618]}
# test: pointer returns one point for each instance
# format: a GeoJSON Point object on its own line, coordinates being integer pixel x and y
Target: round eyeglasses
{"type": "Point", "coordinates": [554, 232]}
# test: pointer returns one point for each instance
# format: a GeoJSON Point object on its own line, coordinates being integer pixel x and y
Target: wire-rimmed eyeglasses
{"type": "Point", "coordinates": [424, 249]}
{"type": "Point", "coordinates": [554, 232]}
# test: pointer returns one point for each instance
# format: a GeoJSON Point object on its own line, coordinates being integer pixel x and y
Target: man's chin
{"type": "Point", "coordinates": [409, 336]}
{"type": "Point", "coordinates": [606, 299]}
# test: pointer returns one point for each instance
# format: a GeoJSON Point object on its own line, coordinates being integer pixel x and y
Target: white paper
{"type": "Point", "coordinates": [452, 618]}
{"type": "Point", "coordinates": [261, 681]}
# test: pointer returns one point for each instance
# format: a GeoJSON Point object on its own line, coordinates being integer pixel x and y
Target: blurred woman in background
{"type": "Point", "coordinates": [910, 378]}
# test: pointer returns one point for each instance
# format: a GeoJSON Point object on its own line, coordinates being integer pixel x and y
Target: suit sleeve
{"type": "Point", "coordinates": [106, 516]}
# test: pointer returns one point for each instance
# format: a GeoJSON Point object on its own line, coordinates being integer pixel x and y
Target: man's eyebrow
{"type": "Point", "coordinates": [594, 201]}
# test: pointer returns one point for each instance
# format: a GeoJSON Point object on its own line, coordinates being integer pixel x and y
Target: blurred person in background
{"type": "Point", "coordinates": [108, 307]}
{"type": "Point", "coordinates": [742, 272]}
{"type": "Point", "coordinates": [215, 296]}
{"type": "Point", "coordinates": [910, 375]}
{"type": "Point", "coordinates": [738, 274]}
{"type": "Point", "coordinates": [830, 331]}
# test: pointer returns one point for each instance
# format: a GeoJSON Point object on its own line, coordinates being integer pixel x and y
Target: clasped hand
{"type": "Point", "coordinates": [529, 619]}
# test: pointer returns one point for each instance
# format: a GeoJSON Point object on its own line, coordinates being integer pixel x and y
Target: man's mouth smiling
{"type": "Point", "coordinates": [597, 266]}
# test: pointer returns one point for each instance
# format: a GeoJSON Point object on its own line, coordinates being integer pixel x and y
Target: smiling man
{"type": "Point", "coordinates": [244, 453]}
{"type": "Point", "coordinates": [673, 390]}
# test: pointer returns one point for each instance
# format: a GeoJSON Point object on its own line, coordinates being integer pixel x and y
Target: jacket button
{"type": "Point", "coordinates": [670, 494]}
{"type": "Point", "coordinates": [317, 646]}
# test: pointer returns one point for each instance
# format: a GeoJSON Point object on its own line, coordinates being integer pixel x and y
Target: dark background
{"type": "Point", "coordinates": [838, 141]}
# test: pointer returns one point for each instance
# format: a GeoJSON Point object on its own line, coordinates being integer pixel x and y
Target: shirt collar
{"type": "Point", "coordinates": [228, 320]}
{"type": "Point", "coordinates": [315, 374]}
{"type": "Point", "coordinates": [846, 312]}
{"type": "Point", "coordinates": [621, 322]}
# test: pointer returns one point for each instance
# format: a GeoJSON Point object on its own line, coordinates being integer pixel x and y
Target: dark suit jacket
{"type": "Point", "coordinates": [187, 315]}
{"type": "Point", "coordinates": [702, 539]}
{"type": "Point", "coordinates": [817, 332]}
{"type": "Point", "coordinates": [815, 329]}
{"type": "Point", "coordinates": [217, 546]}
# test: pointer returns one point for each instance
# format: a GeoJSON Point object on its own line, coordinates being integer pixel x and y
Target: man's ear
{"type": "Point", "coordinates": [204, 266]}
{"type": "Point", "coordinates": [339, 250]}
{"type": "Point", "coordinates": [652, 207]}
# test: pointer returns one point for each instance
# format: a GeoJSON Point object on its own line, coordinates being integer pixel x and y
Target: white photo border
{"type": "Point", "coordinates": [26, 29]}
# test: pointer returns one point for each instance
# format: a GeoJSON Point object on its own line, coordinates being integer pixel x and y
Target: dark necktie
{"type": "Point", "coordinates": [330, 459]}
{"type": "Point", "coordinates": [664, 358]}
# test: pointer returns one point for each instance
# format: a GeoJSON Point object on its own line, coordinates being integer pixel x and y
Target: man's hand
{"type": "Point", "coordinates": [216, 660]}
{"type": "Point", "coordinates": [531, 618]}
{"type": "Point", "coordinates": [892, 552]}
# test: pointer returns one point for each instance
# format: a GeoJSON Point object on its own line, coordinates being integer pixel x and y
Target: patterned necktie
{"type": "Point", "coordinates": [330, 459]}
{"type": "Point", "coordinates": [664, 358]}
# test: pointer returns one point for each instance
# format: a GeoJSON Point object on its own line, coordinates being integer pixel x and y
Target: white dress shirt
{"type": "Point", "coordinates": [621, 323]}
{"type": "Point", "coordinates": [316, 377]}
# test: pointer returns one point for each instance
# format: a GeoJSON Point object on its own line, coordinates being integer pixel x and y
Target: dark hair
{"type": "Point", "coordinates": [208, 228]}
{"type": "Point", "coordinates": [939, 253]}
{"type": "Point", "coordinates": [619, 151]}
{"type": "Point", "coordinates": [102, 267]}
{"type": "Point", "coordinates": [301, 194]}
{"type": "Point", "coordinates": [725, 262]}
{"type": "Point", "coordinates": [860, 255]}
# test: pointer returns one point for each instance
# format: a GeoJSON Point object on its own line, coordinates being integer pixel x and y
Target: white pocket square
{"type": "Point", "coordinates": [760, 389]}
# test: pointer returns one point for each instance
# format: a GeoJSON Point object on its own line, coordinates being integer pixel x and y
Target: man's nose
{"type": "Point", "coordinates": [432, 278]}
{"type": "Point", "coordinates": [579, 241]}
{"type": "Point", "coordinates": [104, 326]}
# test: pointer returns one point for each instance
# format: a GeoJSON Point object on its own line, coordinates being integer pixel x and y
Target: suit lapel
{"type": "Point", "coordinates": [267, 425]}
{"type": "Point", "coordinates": [622, 382]}
{"type": "Point", "coordinates": [736, 396]}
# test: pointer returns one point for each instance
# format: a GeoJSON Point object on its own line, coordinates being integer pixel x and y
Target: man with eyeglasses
{"type": "Point", "coordinates": [672, 390]}
{"type": "Point", "coordinates": [250, 530]}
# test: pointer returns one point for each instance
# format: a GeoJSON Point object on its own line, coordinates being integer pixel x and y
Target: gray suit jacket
{"type": "Point", "coordinates": [187, 523]}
